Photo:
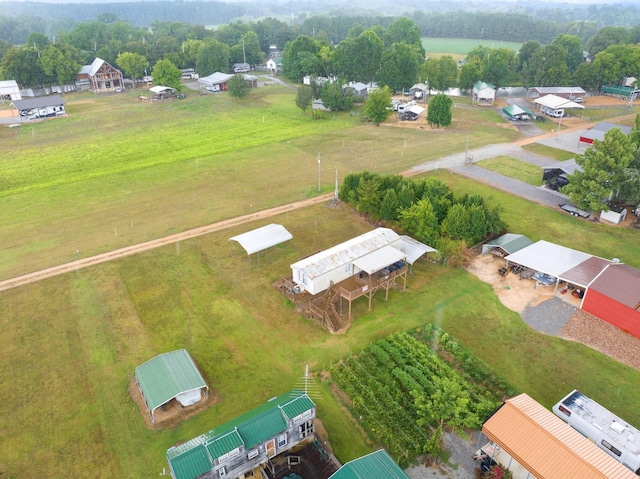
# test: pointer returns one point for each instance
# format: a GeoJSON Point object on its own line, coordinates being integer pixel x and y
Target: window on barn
{"type": "Point", "coordinates": [282, 440]}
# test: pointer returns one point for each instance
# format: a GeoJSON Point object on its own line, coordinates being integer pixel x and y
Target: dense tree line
{"type": "Point", "coordinates": [425, 209]}
{"type": "Point", "coordinates": [386, 50]}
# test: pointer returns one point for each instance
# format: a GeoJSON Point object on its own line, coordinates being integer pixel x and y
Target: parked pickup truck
{"type": "Point", "coordinates": [573, 211]}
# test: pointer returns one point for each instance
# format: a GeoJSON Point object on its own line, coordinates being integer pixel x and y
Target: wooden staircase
{"type": "Point", "coordinates": [326, 306]}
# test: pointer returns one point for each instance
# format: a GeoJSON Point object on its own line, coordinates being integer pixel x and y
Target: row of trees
{"type": "Point", "coordinates": [425, 209]}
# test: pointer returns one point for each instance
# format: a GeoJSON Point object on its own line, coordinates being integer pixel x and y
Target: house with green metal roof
{"type": "Point", "coordinates": [169, 376]}
{"type": "Point", "coordinates": [377, 465]}
{"type": "Point", "coordinates": [247, 442]}
{"type": "Point", "coordinates": [483, 93]}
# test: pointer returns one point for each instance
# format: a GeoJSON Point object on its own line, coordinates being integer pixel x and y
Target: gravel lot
{"type": "Point", "coordinates": [460, 464]}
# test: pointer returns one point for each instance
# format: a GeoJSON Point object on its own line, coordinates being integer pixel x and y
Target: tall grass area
{"type": "Point", "coordinates": [71, 345]}
{"type": "Point", "coordinates": [136, 172]}
{"type": "Point", "coordinates": [461, 46]}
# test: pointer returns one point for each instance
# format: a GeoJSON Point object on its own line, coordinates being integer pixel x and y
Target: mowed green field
{"type": "Point", "coordinates": [71, 343]}
{"type": "Point", "coordinates": [136, 172]}
{"type": "Point", "coordinates": [459, 47]}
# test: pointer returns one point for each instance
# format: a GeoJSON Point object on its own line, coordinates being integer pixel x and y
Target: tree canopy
{"type": "Point", "coordinates": [377, 105]}
{"type": "Point", "coordinates": [166, 73]}
{"type": "Point", "coordinates": [439, 111]}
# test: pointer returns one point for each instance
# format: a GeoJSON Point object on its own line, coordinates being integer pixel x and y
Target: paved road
{"type": "Point", "coordinates": [456, 163]}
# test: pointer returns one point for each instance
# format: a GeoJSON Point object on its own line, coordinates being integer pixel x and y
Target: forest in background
{"type": "Point", "coordinates": [507, 21]}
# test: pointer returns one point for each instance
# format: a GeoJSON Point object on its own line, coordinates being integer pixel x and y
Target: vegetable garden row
{"type": "Point", "coordinates": [405, 388]}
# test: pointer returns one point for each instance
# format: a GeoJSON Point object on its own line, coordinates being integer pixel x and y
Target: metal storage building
{"type": "Point", "coordinates": [545, 445]}
{"type": "Point", "coordinates": [172, 375]}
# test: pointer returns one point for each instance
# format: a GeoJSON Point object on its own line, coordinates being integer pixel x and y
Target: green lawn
{"type": "Point", "coordinates": [513, 168]}
{"type": "Point", "coordinates": [459, 47]}
{"type": "Point", "coordinates": [68, 361]}
{"type": "Point", "coordinates": [544, 150]}
{"type": "Point", "coordinates": [170, 166]}
{"type": "Point", "coordinates": [71, 343]}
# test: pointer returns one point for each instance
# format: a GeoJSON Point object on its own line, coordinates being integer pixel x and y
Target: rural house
{"type": "Point", "coordinates": [274, 65]}
{"type": "Point", "coordinates": [249, 444]}
{"type": "Point", "coordinates": [40, 107]}
{"type": "Point", "coordinates": [101, 77]}
{"type": "Point", "coordinates": [483, 93]}
{"type": "Point", "coordinates": [358, 267]}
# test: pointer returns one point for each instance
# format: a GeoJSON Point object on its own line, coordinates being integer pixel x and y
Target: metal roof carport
{"type": "Point", "coordinates": [414, 250]}
{"type": "Point", "coordinates": [167, 376]}
{"type": "Point", "coordinates": [548, 258]}
{"type": "Point", "coordinates": [546, 446]}
{"type": "Point", "coordinates": [261, 239]}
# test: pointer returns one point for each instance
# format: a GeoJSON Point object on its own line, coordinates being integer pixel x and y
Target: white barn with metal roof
{"type": "Point", "coordinates": [9, 90]}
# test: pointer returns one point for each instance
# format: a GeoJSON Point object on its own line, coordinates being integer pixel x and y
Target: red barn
{"type": "Point", "coordinates": [614, 296]}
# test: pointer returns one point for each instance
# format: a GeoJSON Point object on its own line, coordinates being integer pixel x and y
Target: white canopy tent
{"type": "Point", "coordinates": [557, 104]}
{"type": "Point", "coordinates": [261, 239]}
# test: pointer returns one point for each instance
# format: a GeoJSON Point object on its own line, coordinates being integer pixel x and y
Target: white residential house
{"type": "Point", "coordinates": [483, 93]}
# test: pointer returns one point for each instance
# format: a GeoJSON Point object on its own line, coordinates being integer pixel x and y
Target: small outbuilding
{"type": "Point", "coordinates": [598, 131]}
{"type": "Point", "coordinates": [515, 112]}
{"type": "Point", "coordinates": [616, 214]}
{"type": "Point", "coordinates": [40, 107]}
{"type": "Point", "coordinates": [418, 91]}
{"type": "Point", "coordinates": [614, 296]}
{"type": "Point", "coordinates": [274, 65]}
{"type": "Point", "coordinates": [214, 83]}
{"type": "Point", "coordinates": [573, 93]}
{"type": "Point", "coordinates": [506, 244]}
{"type": "Point", "coordinates": [262, 239]}
{"type": "Point", "coordinates": [528, 438]}
{"type": "Point", "coordinates": [172, 375]}
{"type": "Point", "coordinates": [376, 465]}
{"type": "Point", "coordinates": [483, 93]}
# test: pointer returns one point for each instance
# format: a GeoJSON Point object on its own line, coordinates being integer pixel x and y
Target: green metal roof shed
{"type": "Point", "coordinates": [506, 244]}
{"type": "Point", "coordinates": [377, 465]}
{"type": "Point", "coordinates": [168, 376]}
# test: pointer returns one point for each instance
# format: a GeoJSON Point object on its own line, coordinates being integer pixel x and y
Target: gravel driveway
{"type": "Point", "coordinates": [460, 464]}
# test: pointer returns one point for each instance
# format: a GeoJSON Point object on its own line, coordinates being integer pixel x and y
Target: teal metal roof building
{"type": "Point", "coordinates": [244, 443]}
{"type": "Point", "coordinates": [168, 376]}
{"type": "Point", "coordinates": [377, 465]}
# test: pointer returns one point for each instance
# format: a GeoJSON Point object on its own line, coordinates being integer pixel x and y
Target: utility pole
{"type": "Point", "coordinates": [318, 172]}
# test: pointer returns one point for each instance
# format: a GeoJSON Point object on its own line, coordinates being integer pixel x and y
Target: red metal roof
{"type": "Point", "coordinates": [585, 272]}
{"type": "Point", "coordinates": [621, 283]}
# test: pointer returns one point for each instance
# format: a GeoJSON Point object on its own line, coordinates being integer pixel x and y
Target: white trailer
{"type": "Point", "coordinates": [610, 433]}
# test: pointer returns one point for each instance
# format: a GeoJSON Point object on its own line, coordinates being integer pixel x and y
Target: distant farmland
{"type": "Point", "coordinates": [461, 46]}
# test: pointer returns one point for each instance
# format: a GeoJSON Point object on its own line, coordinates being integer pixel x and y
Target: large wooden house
{"type": "Point", "coordinates": [247, 444]}
{"type": "Point", "coordinates": [101, 77]}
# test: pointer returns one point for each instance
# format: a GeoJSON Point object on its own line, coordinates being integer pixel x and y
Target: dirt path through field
{"type": "Point", "coordinates": [138, 248]}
